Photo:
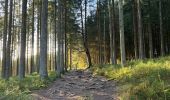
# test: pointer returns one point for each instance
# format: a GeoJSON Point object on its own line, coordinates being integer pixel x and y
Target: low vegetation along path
{"type": "Point", "coordinates": [78, 85]}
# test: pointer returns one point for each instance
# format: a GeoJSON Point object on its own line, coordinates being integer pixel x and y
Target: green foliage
{"type": "Point", "coordinates": [140, 80]}
{"type": "Point", "coordinates": [14, 88]}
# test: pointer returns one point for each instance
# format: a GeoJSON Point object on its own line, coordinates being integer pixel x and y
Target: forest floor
{"type": "Point", "coordinates": [78, 85]}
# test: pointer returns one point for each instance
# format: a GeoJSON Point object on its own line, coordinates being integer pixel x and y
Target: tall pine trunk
{"type": "Point", "coordinates": [150, 33]}
{"type": "Point", "coordinates": [65, 35]}
{"type": "Point", "coordinates": [8, 51]}
{"type": "Point", "coordinates": [104, 38]}
{"type": "Point", "coordinates": [84, 35]}
{"type": "Point", "coordinates": [23, 40]}
{"type": "Point", "coordinates": [5, 39]}
{"type": "Point", "coordinates": [58, 68]}
{"type": "Point", "coordinates": [161, 29]}
{"type": "Point", "coordinates": [86, 39]}
{"type": "Point", "coordinates": [38, 35]}
{"type": "Point", "coordinates": [121, 28]}
{"type": "Point", "coordinates": [112, 32]}
{"type": "Point", "coordinates": [55, 33]}
{"type": "Point", "coordinates": [135, 29]}
{"type": "Point", "coordinates": [140, 34]}
{"type": "Point", "coordinates": [43, 40]}
{"type": "Point", "coordinates": [32, 49]}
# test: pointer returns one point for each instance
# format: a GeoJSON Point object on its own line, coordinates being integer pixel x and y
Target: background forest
{"type": "Point", "coordinates": [51, 37]}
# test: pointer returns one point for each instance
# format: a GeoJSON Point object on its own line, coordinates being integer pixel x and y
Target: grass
{"type": "Point", "coordinates": [15, 89]}
{"type": "Point", "coordinates": [140, 80]}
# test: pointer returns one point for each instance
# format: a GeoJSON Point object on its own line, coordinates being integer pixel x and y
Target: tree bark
{"type": "Point", "coordinates": [4, 39]}
{"type": "Point", "coordinates": [104, 37]}
{"type": "Point", "coordinates": [8, 51]}
{"type": "Point", "coordinates": [112, 32]}
{"type": "Point", "coordinates": [38, 35]}
{"type": "Point", "coordinates": [43, 40]}
{"type": "Point", "coordinates": [161, 29]}
{"type": "Point", "coordinates": [135, 29]}
{"type": "Point", "coordinates": [55, 32]}
{"type": "Point", "coordinates": [150, 33]}
{"type": "Point", "coordinates": [65, 36]}
{"type": "Point", "coordinates": [121, 28]}
{"type": "Point", "coordinates": [32, 49]}
{"type": "Point", "coordinates": [58, 68]}
{"type": "Point", "coordinates": [23, 40]}
{"type": "Point", "coordinates": [84, 35]}
{"type": "Point", "coordinates": [140, 34]}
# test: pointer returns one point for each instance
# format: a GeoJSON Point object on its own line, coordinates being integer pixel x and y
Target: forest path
{"type": "Point", "coordinates": [78, 85]}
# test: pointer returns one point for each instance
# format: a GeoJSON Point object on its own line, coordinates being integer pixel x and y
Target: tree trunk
{"type": "Point", "coordinates": [112, 32]}
{"type": "Point", "coordinates": [32, 49]}
{"type": "Point", "coordinates": [135, 29]}
{"type": "Point", "coordinates": [104, 37]}
{"type": "Point", "coordinates": [8, 51]}
{"type": "Point", "coordinates": [121, 28]}
{"type": "Point", "coordinates": [59, 40]}
{"type": "Point", "coordinates": [65, 36]}
{"type": "Point", "coordinates": [43, 40]}
{"type": "Point", "coordinates": [150, 33]}
{"type": "Point", "coordinates": [27, 49]}
{"type": "Point", "coordinates": [99, 31]}
{"type": "Point", "coordinates": [23, 40]}
{"type": "Point", "coordinates": [161, 29]}
{"type": "Point", "coordinates": [84, 35]}
{"type": "Point", "coordinates": [55, 32]}
{"type": "Point", "coordinates": [5, 39]}
{"type": "Point", "coordinates": [141, 51]}
{"type": "Point", "coordinates": [70, 57]}
{"type": "Point", "coordinates": [38, 35]}
{"type": "Point", "coordinates": [62, 40]}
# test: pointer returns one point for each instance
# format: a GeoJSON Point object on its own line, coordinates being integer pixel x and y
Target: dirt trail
{"type": "Point", "coordinates": [78, 85]}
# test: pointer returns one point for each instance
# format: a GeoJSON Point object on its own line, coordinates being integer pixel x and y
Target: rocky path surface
{"type": "Point", "coordinates": [78, 85]}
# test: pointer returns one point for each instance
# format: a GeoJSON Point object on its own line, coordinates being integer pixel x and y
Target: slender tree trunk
{"type": "Point", "coordinates": [62, 40]}
{"type": "Point", "coordinates": [141, 50]}
{"type": "Point", "coordinates": [104, 37]}
{"type": "Point", "coordinates": [59, 40]}
{"type": "Point", "coordinates": [38, 35]}
{"type": "Point", "coordinates": [112, 32]}
{"type": "Point", "coordinates": [85, 36]}
{"type": "Point", "coordinates": [55, 32]}
{"type": "Point", "coordinates": [8, 51]}
{"type": "Point", "coordinates": [135, 29]}
{"type": "Point", "coordinates": [65, 37]}
{"type": "Point", "coordinates": [161, 29]}
{"type": "Point", "coordinates": [70, 57]}
{"type": "Point", "coordinates": [32, 49]}
{"type": "Point", "coordinates": [43, 40]}
{"type": "Point", "coordinates": [150, 33]}
{"type": "Point", "coordinates": [14, 40]}
{"type": "Point", "coordinates": [121, 28]}
{"type": "Point", "coordinates": [49, 48]}
{"type": "Point", "coordinates": [27, 49]}
{"type": "Point", "coordinates": [98, 30]}
{"type": "Point", "coordinates": [18, 53]}
{"type": "Point", "coordinates": [5, 39]}
{"type": "Point", "coordinates": [23, 40]}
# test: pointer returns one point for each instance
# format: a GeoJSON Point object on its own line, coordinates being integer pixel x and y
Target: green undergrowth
{"type": "Point", "coordinates": [140, 80]}
{"type": "Point", "coordinates": [15, 89]}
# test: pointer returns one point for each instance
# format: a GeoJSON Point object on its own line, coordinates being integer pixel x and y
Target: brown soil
{"type": "Point", "coordinates": [78, 85]}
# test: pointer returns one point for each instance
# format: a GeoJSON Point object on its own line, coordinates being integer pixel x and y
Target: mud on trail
{"type": "Point", "coordinates": [78, 85]}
